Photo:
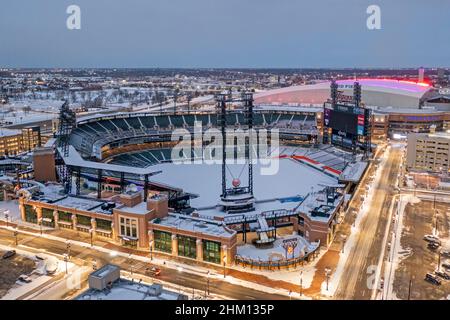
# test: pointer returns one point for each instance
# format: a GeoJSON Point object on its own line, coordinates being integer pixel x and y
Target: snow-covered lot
{"type": "Point", "coordinates": [292, 179]}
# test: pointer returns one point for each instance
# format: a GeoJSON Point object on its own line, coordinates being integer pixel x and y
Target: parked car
{"type": "Point", "coordinates": [433, 245]}
{"type": "Point", "coordinates": [443, 274]}
{"type": "Point", "coordinates": [25, 278]}
{"type": "Point", "coordinates": [445, 253]}
{"type": "Point", "coordinates": [432, 279]}
{"type": "Point", "coordinates": [40, 257]}
{"type": "Point", "coordinates": [446, 266]}
{"type": "Point", "coordinates": [51, 266]}
{"type": "Point", "coordinates": [431, 238]}
{"type": "Point", "coordinates": [9, 254]}
{"type": "Point", "coordinates": [153, 271]}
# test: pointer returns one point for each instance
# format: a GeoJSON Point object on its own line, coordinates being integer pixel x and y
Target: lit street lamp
{"type": "Point", "coordinates": [180, 270]}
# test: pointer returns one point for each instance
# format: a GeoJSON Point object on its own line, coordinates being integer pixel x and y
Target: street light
{"type": "Point", "coordinates": [66, 259]}
{"type": "Point", "coordinates": [301, 283]}
{"type": "Point", "coordinates": [151, 250]}
{"type": "Point", "coordinates": [411, 278]}
{"type": "Point", "coordinates": [40, 225]}
{"type": "Point", "coordinates": [68, 248]}
{"type": "Point", "coordinates": [180, 270]}
{"type": "Point", "coordinates": [6, 217]}
{"type": "Point", "coordinates": [131, 264]}
{"type": "Point", "coordinates": [207, 284]}
{"type": "Point", "coordinates": [344, 238]}
{"type": "Point", "coordinates": [16, 233]}
{"type": "Point", "coordinates": [224, 266]}
{"type": "Point", "coordinates": [439, 260]}
{"type": "Point", "coordinates": [327, 274]}
{"type": "Point", "coordinates": [91, 232]}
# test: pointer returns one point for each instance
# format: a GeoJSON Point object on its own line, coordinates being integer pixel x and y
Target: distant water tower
{"type": "Point", "coordinates": [421, 74]}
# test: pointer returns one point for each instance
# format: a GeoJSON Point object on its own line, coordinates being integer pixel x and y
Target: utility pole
{"type": "Point", "coordinates": [439, 260]}
{"type": "Point", "coordinates": [409, 287]}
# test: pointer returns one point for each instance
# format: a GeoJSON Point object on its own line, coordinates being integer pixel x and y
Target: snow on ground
{"type": "Point", "coordinates": [13, 207]}
{"type": "Point", "coordinates": [174, 265]}
{"type": "Point", "coordinates": [335, 278]}
{"type": "Point", "coordinates": [397, 252]}
{"type": "Point", "coordinates": [305, 273]}
{"type": "Point", "coordinates": [38, 276]}
{"type": "Point", "coordinates": [292, 179]}
{"type": "Point", "coordinates": [277, 252]}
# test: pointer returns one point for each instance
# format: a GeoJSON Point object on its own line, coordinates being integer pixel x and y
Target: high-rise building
{"type": "Point", "coordinates": [428, 152]}
{"type": "Point", "coordinates": [421, 74]}
{"type": "Point", "coordinates": [31, 138]}
{"type": "Point", "coordinates": [10, 142]}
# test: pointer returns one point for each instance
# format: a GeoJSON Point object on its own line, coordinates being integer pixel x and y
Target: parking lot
{"type": "Point", "coordinates": [419, 220]}
{"type": "Point", "coordinates": [10, 270]}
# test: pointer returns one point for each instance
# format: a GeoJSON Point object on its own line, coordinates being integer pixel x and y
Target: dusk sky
{"type": "Point", "coordinates": [225, 33]}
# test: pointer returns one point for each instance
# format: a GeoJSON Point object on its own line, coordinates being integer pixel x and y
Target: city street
{"type": "Point", "coordinates": [369, 242]}
{"type": "Point", "coordinates": [85, 256]}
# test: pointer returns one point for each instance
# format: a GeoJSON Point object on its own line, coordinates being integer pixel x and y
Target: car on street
{"type": "Point", "coordinates": [443, 275]}
{"type": "Point", "coordinates": [25, 278]}
{"type": "Point", "coordinates": [431, 238]}
{"type": "Point", "coordinates": [433, 245]}
{"type": "Point", "coordinates": [446, 266]}
{"type": "Point", "coordinates": [153, 271]}
{"type": "Point", "coordinates": [432, 279]}
{"type": "Point", "coordinates": [51, 266]}
{"type": "Point", "coordinates": [9, 254]}
{"type": "Point", "coordinates": [445, 253]}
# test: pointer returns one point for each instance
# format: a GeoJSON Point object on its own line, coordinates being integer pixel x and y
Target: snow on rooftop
{"type": "Point", "coordinates": [316, 200]}
{"type": "Point", "coordinates": [140, 208]}
{"type": "Point", "coordinates": [287, 204]}
{"type": "Point", "coordinates": [75, 159]}
{"type": "Point", "coordinates": [186, 223]}
{"type": "Point", "coordinates": [353, 171]}
{"type": "Point", "coordinates": [78, 203]}
{"type": "Point", "coordinates": [127, 290]}
{"type": "Point", "coordinates": [9, 132]}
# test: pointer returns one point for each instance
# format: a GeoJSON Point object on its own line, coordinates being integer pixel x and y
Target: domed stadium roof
{"type": "Point", "coordinates": [375, 92]}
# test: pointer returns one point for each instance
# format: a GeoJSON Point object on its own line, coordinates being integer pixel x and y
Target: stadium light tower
{"type": "Point", "coordinates": [236, 198]}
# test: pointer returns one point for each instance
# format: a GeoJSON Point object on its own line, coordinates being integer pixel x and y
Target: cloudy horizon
{"type": "Point", "coordinates": [224, 34]}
